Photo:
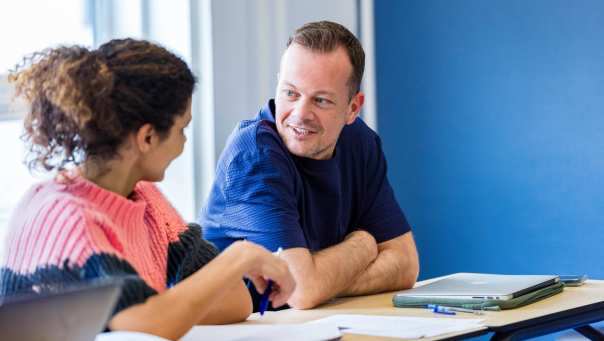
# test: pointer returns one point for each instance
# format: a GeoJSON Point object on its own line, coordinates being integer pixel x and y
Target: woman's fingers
{"type": "Point", "coordinates": [284, 283]}
{"type": "Point", "coordinates": [279, 297]}
{"type": "Point", "coordinates": [259, 283]}
{"type": "Point", "coordinates": [265, 266]}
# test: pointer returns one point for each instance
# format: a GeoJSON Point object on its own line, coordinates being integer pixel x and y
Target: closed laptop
{"type": "Point", "coordinates": [481, 286]}
{"type": "Point", "coordinates": [77, 312]}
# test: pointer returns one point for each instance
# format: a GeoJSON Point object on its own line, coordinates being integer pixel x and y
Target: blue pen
{"type": "Point", "coordinates": [264, 298]}
{"type": "Point", "coordinates": [267, 291]}
{"type": "Point", "coordinates": [442, 310]}
{"type": "Point", "coordinates": [435, 307]}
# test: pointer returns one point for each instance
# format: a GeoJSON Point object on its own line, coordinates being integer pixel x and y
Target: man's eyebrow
{"type": "Point", "coordinates": [289, 84]}
{"type": "Point", "coordinates": [319, 92]}
{"type": "Point", "coordinates": [325, 92]}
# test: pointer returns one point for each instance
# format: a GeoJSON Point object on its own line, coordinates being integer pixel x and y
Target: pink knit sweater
{"type": "Point", "coordinates": [61, 222]}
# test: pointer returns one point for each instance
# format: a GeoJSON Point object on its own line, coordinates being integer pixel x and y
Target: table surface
{"type": "Point", "coordinates": [592, 292]}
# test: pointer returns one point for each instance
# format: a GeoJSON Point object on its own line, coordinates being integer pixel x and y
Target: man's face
{"type": "Point", "coordinates": [313, 100]}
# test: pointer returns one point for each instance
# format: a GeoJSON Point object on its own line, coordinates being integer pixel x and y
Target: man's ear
{"type": "Point", "coordinates": [354, 108]}
{"type": "Point", "coordinates": [145, 137]}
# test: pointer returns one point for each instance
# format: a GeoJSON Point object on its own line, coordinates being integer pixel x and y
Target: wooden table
{"type": "Point", "coordinates": [575, 307]}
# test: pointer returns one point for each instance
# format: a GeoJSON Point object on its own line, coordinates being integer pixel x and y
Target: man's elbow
{"type": "Point", "coordinates": [408, 281]}
{"type": "Point", "coordinates": [409, 276]}
{"type": "Point", "coordinates": [302, 303]}
{"type": "Point", "coordinates": [304, 298]}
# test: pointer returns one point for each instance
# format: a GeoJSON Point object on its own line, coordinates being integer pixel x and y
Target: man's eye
{"type": "Point", "coordinates": [290, 93]}
{"type": "Point", "coordinates": [322, 101]}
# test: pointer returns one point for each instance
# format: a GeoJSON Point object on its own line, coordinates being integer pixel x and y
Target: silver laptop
{"type": "Point", "coordinates": [481, 286]}
{"type": "Point", "coordinates": [78, 312]}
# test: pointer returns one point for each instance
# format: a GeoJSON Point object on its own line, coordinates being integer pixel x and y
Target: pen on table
{"type": "Point", "coordinates": [267, 292]}
{"type": "Point", "coordinates": [439, 309]}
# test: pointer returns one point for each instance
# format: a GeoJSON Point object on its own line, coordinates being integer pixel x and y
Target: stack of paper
{"type": "Point", "coordinates": [398, 326]}
{"type": "Point", "coordinates": [268, 332]}
{"type": "Point", "coordinates": [328, 328]}
{"type": "Point", "coordinates": [127, 336]}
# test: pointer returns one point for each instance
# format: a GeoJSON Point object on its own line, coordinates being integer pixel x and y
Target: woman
{"type": "Point", "coordinates": [109, 122]}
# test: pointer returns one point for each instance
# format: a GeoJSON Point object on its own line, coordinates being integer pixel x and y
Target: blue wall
{"type": "Point", "coordinates": [492, 119]}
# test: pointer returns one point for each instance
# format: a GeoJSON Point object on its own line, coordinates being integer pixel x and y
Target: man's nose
{"type": "Point", "coordinates": [303, 110]}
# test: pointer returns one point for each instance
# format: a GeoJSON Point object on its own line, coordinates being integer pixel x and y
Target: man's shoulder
{"type": "Point", "coordinates": [253, 138]}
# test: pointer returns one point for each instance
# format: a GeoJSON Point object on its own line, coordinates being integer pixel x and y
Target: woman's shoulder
{"type": "Point", "coordinates": [41, 197]}
{"type": "Point", "coordinates": [53, 224]}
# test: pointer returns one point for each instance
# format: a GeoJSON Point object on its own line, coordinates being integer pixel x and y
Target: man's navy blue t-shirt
{"type": "Point", "coordinates": [264, 194]}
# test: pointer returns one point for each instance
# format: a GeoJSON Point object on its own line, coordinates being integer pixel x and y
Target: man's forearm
{"type": "Point", "coordinates": [331, 270]}
{"type": "Point", "coordinates": [395, 268]}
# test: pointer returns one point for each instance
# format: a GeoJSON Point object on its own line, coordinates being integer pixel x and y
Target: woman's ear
{"type": "Point", "coordinates": [145, 138]}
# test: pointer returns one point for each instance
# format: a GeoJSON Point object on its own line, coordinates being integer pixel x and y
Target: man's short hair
{"type": "Point", "coordinates": [326, 36]}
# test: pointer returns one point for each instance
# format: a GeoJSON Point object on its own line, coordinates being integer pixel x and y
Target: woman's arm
{"type": "Point", "coordinates": [209, 294]}
{"type": "Point", "coordinates": [234, 307]}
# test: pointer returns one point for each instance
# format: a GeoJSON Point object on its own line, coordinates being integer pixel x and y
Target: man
{"type": "Point", "coordinates": [307, 175]}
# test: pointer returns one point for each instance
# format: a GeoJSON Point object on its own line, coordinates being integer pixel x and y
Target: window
{"type": "Point", "coordinates": [91, 23]}
{"type": "Point", "coordinates": [56, 22]}
{"type": "Point", "coordinates": [60, 22]}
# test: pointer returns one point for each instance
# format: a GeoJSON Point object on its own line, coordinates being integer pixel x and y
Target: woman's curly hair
{"type": "Point", "coordinates": [85, 102]}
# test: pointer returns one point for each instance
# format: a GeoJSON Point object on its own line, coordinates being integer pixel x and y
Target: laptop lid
{"type": "Point", "coordinates": [482, 286]}
{"type": "Point", "coordinates": [77, 312]}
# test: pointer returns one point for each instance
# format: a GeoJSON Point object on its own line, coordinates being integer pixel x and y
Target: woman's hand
{"type": "Point", "coordinates": [262, 266]}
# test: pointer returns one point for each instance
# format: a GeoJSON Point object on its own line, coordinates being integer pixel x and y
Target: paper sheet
{"type": "Point", "coordinates": [398, 326]}
{"type": "Point", "coordinates": [128, 336]}
{"type": "Point", "coordinates": [268, 332]}
{"type": "Point", "coordinates": [328, 328]}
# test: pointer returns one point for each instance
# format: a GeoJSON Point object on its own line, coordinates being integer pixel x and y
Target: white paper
{"type": "Point", "coordinates": [127, 336]}
{"type": "Point", "coordinates": [398, 326]}
{"type": "Point", "coordinates": [268, 332]}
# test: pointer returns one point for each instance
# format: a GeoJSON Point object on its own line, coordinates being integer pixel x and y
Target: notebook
{"type": "Point", "coordinates": [481, 286]}
{"type": "Point", "coordinates": [77, 312]}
